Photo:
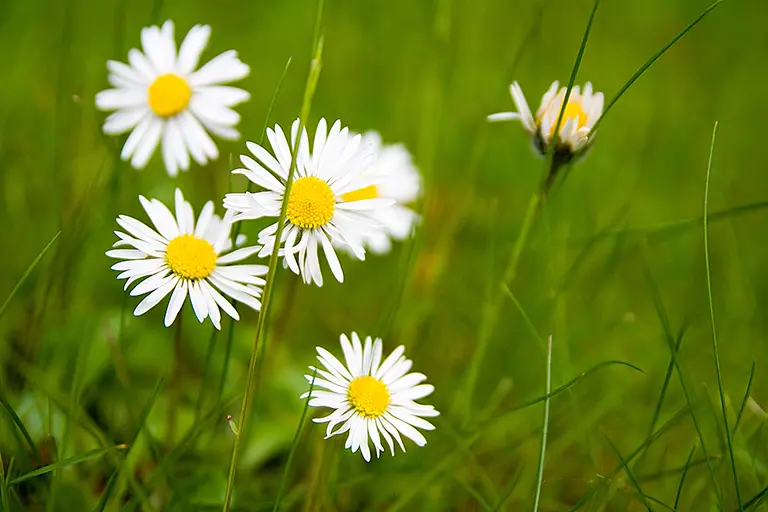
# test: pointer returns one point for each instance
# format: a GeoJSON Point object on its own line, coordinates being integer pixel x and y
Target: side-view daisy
{"type": "Point", "coordinates": [581, 113]}
{"type": "Point", "coordinates": [372, 399]}
{"type": "Point", "coordinates": [318, 213]}
{"type": "Point", "coordinates": [395, 177]}
{"type": "Point", "coordinates": [187, 258]}
{"type": "Point", "coordinates": [162, 98]}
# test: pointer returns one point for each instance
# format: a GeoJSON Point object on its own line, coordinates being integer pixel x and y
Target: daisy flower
{"type": "Point", "coordinates": [187, 258]}
{"type": "Point", "coordinates": [372, 399]}
{"type": "Point", "coordinates": [318, 214]}
{"type": "Point", "coordinates": [162, 99]}
{"type": "Point", "coordinates": [395, 177]}
{"type": "Point", "coordinates": [581, 113]}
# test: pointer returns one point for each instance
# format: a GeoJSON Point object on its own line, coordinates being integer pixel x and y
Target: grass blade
{"type": "Point", "coordinates": [745, 399]}
{"type": "Point", "coordinates": [26, 274]}
{"type": "Point", "coordinates": [4, 497]}
{"type": "Point", "coordinates": [628, 471]}
{"type": "Point", "coordinates": [682, 478]}
{"type": "Point", "coordinates": [542, 453]}
{"type": "Point", "coordinates": [314, 74]}
{"type": "Point", "coordinates": [650, 62]}
{"type": "Point", "coordinates": [294, 445]}
{"type": "Point", "coordinates": [20, 425]}
{"type": "Point", "coordinates": [77, 459]}
{"type": "Point", "coordinates": [720, 389]}
{"type": "Point", "coordinates": [756, 500]}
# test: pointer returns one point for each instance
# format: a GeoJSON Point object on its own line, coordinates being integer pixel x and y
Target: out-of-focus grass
{"type": "Point", "coordinates": [79, 370]}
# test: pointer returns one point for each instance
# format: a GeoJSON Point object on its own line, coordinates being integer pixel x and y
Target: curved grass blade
{"type": "Point", "coordinates": [756, 500]}
{"type": "Point", "coordinates": [628, 471]}
{"type": "Point", "coordinates": [682, 477]}
{"type": "Point", "coordinates": [745, 399]}
{"type": "Point", "coordinates": [720, 389]}
{"type": "Point", "coordinates": [71, 461]}
{"type": "Point", "coordinates": [295, 444]}
{"type": "Point", "coordinates": [542, 453]}
{"type": "Point", "coordinates": [650, 62]}
{"type": "Point", "coordinates": [20, 425]}
{"type": "Point", "coordinates": [26, 274]}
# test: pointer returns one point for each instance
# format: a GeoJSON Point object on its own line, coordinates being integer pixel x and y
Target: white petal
{"type": "Point", "coordinates": [219, 70]}
{"type": "Point", "coordinates": [153, 298]}
{"type": "Point", "coordinates": [177, 300]}
{"type": "Point", "coordinates": [148, 143]}
{"type": "Point", "coordinates": [193, 45]}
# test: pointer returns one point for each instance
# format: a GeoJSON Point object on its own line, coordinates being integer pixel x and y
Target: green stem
{"type": "Point", "coordinates": [543, 451]}
{"type": "Point", "coordinates": [314, 73]}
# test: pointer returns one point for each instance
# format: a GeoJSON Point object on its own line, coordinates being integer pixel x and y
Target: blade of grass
{"type": "Point", "coordinates": [756, 500]}
{"type": "Point", "coordinates": [682, 477]}
{"type": "Point", "coordinates": [4, 497]}
{"type": "Point", "coordinates": [71, 461]}
{"type": "Point", "coordinates": [314, 74]}
{"type": "Point", "coordinates": [720, 389]}
{"type": "Point", "coordinates": [628, 471]}
{"type": "Point", "coordinates": [509, 490]}
{"type": "Point", "coordinates": [745, 399]}
{"type": "Point", "coordinates": [124, 463]}
{"type": "Point", "coordinates": [542, 453]}
{"type": "Point", "coordinates": [473, 492]}
{"type": "Point", "coordinates": [20, 425]}
{"type": "Point", "coordinates": [669, 337]}
{"type": "Point", "coordinates": [26, 274]}
{"type": "Point", "coordinates": [294, 445]}
{"type": "Point", "coordinates": [650, 62]}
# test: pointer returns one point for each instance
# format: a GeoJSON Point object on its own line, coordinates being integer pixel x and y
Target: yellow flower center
{"type": "Point", "coordinates": [168, 95]}
{"type": "Point", "coordinates": [369, 396]}
{"type": "Point", "coordinates": [369, 192]}
{"type": "Point", "coordinates": [311, 203]}
{"type": "Point", "coordinates": [190, 257]}
{"type": "Point", "coordinates": [573, 111]}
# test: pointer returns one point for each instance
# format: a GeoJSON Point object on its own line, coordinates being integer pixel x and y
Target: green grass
{"type": "Point", "coordinates": [659, 341]}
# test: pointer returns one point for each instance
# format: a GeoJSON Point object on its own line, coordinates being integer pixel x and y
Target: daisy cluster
{"type": "Point", "coordinates": [344, 193]}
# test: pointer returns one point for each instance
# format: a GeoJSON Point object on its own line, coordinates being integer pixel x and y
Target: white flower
{"type": "Point", "coordinates": [372, 399]}
{"type": "Point", "coordinates": [186, 257]}
{"type": "Point", "coordinates": [317, 214]}
{"type": "Point", "coordinates": [161, 97]}
{"type": "Point", "coordinates": [395, 177]}
{"type": "Point", "coordinates": [581, 113]}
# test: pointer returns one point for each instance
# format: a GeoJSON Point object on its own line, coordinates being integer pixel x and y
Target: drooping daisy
{"type": "Point", "coordinates": [187, 258]}
{"type": "Point", "coordinates": [318, 213]}
{"type": "Point", "coordinates": [581, 113]}
{"type": "Point", "coordinates": [162, 99]}
{"type": "Point", "coordinates": [372, 399]}
{"type": "Point", "coordinates": [395, 177]}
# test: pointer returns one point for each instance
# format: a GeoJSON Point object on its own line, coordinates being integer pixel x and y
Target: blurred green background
{"type": "Point", "coordinates": [598, 271]}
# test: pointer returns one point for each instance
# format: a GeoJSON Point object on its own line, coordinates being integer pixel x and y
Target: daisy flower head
{"type": "Point", "coordinates": [187, 258]}
{"type": "Point", "coordinates": [582, 111]}
{"type": "Point", "coordinates": [394, 177]}
{"type": "Point", "coordinates": [162, 99]}
{"type": "Point", "coordinates": [372, 399]}
{"type": "Point", "coordinates": [318, 214]}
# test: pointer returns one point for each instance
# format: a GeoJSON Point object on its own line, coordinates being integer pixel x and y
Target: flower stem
{"type": "Point", "coordinates": [314, 74]}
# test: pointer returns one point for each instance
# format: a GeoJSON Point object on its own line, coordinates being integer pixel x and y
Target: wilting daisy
{"type": "Point", "coordinates": [318, 212]}
{"type": "Point", "coordinates": [581, 113]}
{"type": "Point", "coordinates": [372, 399]}
{"type": "Point", "coordinates": [187, 258]}
{"type": "Point", "coordinates": [162, 98]}
{"type": "Point", "coordinates": [395, 177]}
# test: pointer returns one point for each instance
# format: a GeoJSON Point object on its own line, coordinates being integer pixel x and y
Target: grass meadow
{"type": "Point", "coordinates": [645, 410]}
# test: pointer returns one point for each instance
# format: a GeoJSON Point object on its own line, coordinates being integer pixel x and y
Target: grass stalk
{"type": "Point", "coordinates": [720, 389]}
{"type": "Point", "coordinates": [542, 453]}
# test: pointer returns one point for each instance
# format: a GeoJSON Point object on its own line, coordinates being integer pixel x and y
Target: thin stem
{"type": "Point", "coordinates": [543, 451]}
{"type": "Point", "coordinates": [314, 73]}
{"type": "Point", "coordinates": [714, 329]}
{"type": "Point", "coordinates": [173, 391]}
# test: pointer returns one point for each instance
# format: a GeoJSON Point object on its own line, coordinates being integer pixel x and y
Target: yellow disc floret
{"type": "Point", "coordinates": [573, 111]}
{"type": "Point", "coordinates": [369, 192]}
{"type": "Point", "coordinates": [168, 95]}
{"type": "Point", "coordinates": [311, 203]}
{"type": "Point", "coordinates": [190, 257]}
{"type": "Point", "coordinates": [369, 396]}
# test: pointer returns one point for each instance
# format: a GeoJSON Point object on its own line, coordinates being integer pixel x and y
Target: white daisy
{"type": "Point", "coordinates": [187, 258]}
{"type": "Point", "coordinates": [317, 214]}
{"type": "Point", "coordinates": [161, 97]}
{"type": "Point", "coordinates": [372, 399]}
{"type": "Point", "coordinates": [581, 113]}
{"type": "Point", "coordinates": [395, 177]}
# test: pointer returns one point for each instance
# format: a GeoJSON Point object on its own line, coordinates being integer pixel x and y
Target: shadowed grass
{"type": "Point", "coordinates": [745, 399]}
{"type": "Point", "coordinates": [71, 461]}
{"type": "Point", "coordinates": [682, 477]}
